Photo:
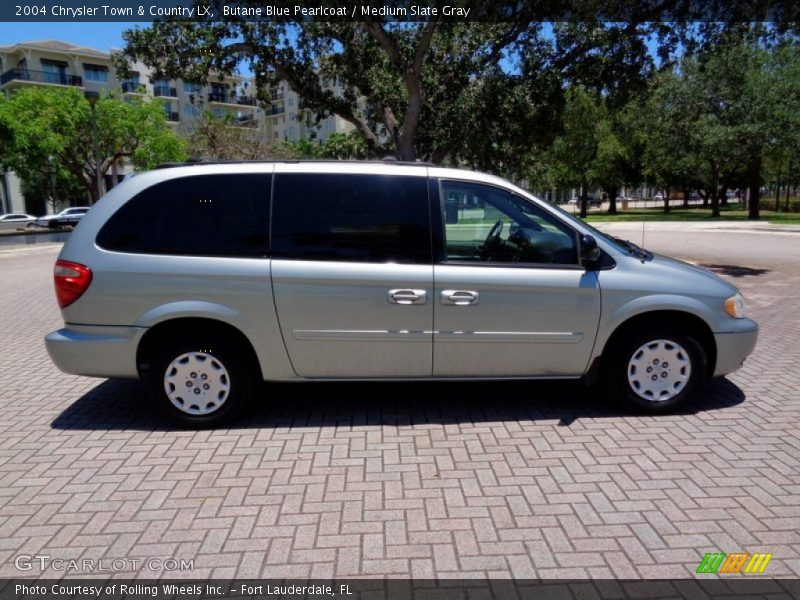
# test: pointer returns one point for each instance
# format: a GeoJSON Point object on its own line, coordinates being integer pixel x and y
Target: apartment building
{"type": "Point", "coordinates": [62, 64]}
{"type": "Point", "coordinates": [286, 119]}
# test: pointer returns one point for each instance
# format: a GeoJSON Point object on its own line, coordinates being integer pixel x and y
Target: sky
{"type": "Point", "coordinates": [102, 36]}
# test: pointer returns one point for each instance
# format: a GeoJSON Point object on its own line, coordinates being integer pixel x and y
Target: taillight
{"type": "Point", "coordinates": [72, 280]}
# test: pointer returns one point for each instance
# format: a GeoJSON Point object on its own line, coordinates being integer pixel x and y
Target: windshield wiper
{"type": "Point", "coordinates": [635, 250]}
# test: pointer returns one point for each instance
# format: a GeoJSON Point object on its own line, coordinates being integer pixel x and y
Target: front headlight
{"type": "Point", "coordinates": [736, 307]}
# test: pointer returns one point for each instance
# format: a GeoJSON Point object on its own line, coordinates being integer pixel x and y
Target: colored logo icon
{"type": "Point", "coordinates": [738, 562]}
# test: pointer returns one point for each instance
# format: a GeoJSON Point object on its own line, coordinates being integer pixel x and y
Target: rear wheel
{"type": "Point", "coordinates": [200, 384]}
{"type": "Point", "coordinates": [655, 372]}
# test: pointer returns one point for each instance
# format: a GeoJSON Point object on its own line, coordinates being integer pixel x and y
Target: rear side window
{"type": "Point", "coordinates": [358, 218]}
{"type": "Point", "coordinates": [203, 215]}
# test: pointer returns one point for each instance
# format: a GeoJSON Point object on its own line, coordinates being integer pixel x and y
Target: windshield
{"type": "Point", "coordinates": [617, 243]}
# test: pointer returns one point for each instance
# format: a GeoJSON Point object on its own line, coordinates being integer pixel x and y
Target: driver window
{"type": "Point", "coordinates": [487, 224]}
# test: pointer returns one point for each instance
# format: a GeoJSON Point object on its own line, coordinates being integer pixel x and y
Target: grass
{"type": "Point", "coordinates": [732, 212]}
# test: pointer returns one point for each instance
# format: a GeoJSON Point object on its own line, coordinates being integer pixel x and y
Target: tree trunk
{"type": "Point", "coordinates": [715, 198]}
{"type": "Point", "coordinates": [754, 182]}
{"type": "Point", "coordinates": [405, 149]}
{"type": "Point", "coordinates": [584, 197]}
{"type": "Point", "coordinates": [723, 197]}
{"type": "Point", "coordinates": [786, 198]}
{"type": "Point", "coordinates": [612, 199]}
{"type": "Point", "coordinates": [666, 199]}
{"type": "Point", "coordinates": [686, 193]}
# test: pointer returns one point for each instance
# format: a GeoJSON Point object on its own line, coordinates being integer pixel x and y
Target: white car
{"type": "Point", "coordinates": [69, 216]}
{"type": "Point", "coordinates": [15, 221]}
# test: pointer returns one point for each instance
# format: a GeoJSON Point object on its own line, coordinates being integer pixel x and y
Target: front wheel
{"type": "Point", "coordinates": [200, 384]}
{"type": "Point", "coordinates": [655, 372]}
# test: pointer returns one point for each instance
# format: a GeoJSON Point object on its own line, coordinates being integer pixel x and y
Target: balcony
{"type": "Point", "coordinates": [47, 78]}
{"type": "Point", "coordinates": [277, 95]}
{"type": "Point", "coordinates": [232, 99]}
{"type": "Point", "coordinates": [274, 110]}
{"type": "Point", "coordinates": [221, 98]}
{"type": "Point", "coordinates": [132, 87]}
{"type": "Point", "coordinates": [245, 121]}
{"type": "Point", "coordinates": [163, 91]}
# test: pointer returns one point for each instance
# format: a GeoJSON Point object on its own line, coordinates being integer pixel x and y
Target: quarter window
{"type": "Point", "coordinates": [491, 225]}
{"type": "Point", "coordinates": [204, 215]}
{"type": "Point", "coordinates": [358, 218]}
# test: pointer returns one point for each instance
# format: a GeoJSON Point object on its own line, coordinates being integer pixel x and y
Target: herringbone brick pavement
{"type": "Point", "coordinates": [423, 480]}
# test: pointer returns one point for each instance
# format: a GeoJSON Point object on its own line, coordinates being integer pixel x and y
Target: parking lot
{"type": "Point", "coordinates": [424, 480]}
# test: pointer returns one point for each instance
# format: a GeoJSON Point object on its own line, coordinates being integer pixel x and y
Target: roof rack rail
{"type": "Point", "coordinates": [200, 162]}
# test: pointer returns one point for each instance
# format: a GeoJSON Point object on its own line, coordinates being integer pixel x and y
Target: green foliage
{"type": "Point", "coordinates": [45, 126]}
{"type": "Point", "coordinates": [481, 93]}
{"type": "Point", "coordinates": [594, 147]}
{"type": "Point", "coordinates": [712, 122]}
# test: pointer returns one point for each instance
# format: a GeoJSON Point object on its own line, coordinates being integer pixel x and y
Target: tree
{"type": "Point", "coordinates": [575, 151]}
{"type": "Point", "coordinates": [223, 138]}
{"type": "Point", "coordinates": [713, 120]}
{"type": "Point", "coordinates": [344, 146]}
{"type": "Point", "coordinates": [54, 126]}
{"type": "Point", "coordinates": [480, 92]}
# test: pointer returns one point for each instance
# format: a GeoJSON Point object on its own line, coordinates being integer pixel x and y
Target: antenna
{"type": "Point", "coordinates": [643, 222]}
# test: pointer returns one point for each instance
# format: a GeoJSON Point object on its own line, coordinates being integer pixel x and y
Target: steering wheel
{"type": "Point", "coordinates": [494, 232]}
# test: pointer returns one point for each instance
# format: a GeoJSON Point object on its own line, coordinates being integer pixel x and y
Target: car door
{"type": "Point", "coordinates": [352, 271]}
{"type": "Point", "coordinates": [511, 298]}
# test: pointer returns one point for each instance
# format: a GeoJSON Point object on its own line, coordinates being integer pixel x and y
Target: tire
{"type": "Point", "coordinates": [201, 383]}
{"type": "Point", "coordinates": [655, 372]}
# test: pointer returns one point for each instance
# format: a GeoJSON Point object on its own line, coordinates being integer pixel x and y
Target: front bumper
{"type": "Point", "coordinates": [733, 348]}
{"type": "Point", "coordinates": [95, 351]}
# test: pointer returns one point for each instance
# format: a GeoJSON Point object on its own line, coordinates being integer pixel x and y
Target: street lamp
{"type": "Point", "coordinates": [92, 97]}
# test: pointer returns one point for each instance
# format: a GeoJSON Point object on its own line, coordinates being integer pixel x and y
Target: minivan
{"type": "Point", "coordinates": [206, 279]}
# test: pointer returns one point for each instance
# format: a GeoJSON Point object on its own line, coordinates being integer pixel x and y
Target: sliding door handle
{"type": "Point", "coordinates": [407, 297]}
{"type": "Point", "coordinates": [459, 297]}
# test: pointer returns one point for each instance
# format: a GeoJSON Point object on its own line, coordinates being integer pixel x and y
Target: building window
{"type": "Point", "coordinates": [54, 72]}
{"type": "Point", "coordinates": [96, 73]}
{"type": "Point", "coordinates": [132, 84]}
{"type": "Point", "coordinates": [191, 88]}
{"type": "Point", "coordinates": [191, 110]}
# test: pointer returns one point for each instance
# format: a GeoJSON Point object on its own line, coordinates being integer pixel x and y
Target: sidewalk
{"type": "Point", "coordinates": [693, 226]}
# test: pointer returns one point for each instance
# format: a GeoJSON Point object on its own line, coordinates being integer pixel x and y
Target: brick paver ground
{"type": "Point", "coordinates": [445, 480]}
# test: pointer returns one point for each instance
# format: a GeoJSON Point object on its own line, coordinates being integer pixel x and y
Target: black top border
{"type": "Point", "coordinates": [463, 11]}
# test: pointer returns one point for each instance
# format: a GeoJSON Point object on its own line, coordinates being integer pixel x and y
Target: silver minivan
{"type": "Point", "coordinates": [206, 279]}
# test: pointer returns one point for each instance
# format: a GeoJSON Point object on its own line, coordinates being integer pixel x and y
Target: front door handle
{"type": "Point", "coordinates": [407, 297]}
{"type": "Point", "coordinates": [459, 297]}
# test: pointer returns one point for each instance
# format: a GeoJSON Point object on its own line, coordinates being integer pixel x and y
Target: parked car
{"type": "Point", "coordinates": [590, 201]}
{"type": "Point", "coordinates": [69, 216]}
{"type": "Point", "coordinates": [292, 271]}
{"type": "Point", "coordinates": [15, 221]}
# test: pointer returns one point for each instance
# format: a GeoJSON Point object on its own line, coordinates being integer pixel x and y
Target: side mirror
{"type": "Point", "coordinates": [590, 253]}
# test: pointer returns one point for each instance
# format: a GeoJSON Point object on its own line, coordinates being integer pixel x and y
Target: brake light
{"type": "Point", "coordinates": [72, 280]}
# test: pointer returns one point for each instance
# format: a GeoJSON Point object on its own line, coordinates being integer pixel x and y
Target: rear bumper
{"type": "Point", "coordinates": [733, 348]}
{"type": "Point", "coordinates": [95, 351]}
